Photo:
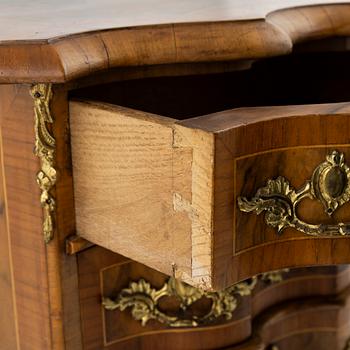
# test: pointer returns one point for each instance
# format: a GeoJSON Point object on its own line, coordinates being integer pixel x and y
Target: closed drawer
{"type": "Point", "coordinates": [193, 197]}
{"type": "Point", "coordinates": [279, 307]}
{"type": "Point", "coordinates": [103, 273]}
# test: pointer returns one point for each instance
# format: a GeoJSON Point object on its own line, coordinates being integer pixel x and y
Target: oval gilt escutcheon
{"type": "Point", "coordinates": [335, 182]}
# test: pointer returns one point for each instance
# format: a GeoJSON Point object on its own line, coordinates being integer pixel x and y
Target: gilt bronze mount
{"type": "Point", "coordinates": [45, 149]}
{"type": "Point", "coordinates": [330, 184]}
{"type": "Point", "coordinates": [144, 300]}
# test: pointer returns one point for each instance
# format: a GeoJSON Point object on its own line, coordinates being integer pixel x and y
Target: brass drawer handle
{"type": "Point", "coordinates": [330, 184]}
{"type": "Point", "coordinates": [143, 299]}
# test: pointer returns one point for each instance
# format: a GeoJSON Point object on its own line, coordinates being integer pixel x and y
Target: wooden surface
{"type": "Point", "coordinates": [64, 297]}
{"type": "Point", "coordinates": [264, 126]}
{"type": "Point", "coordinates": [147, 192]}
{"type": "Point", "coordinates": [158, 193]}
{"type": "Point", "coordinates": [75, 244]}
{"type": "Point", "coordinates": [191, 90]}
{"type": "Point", "coordinates": [42, 279]}
{"type": "Point", "coordinates": [39, 289]}
{"type": "Point", "coordinates": [28, 255]}
{"type": "Point", "coordinates": [8, 321]}
{"type": "Point", "coordinates": [303, 324]}
{"type": "Point", "coordinates": [314, 321]}
{"type": "Point", "coordinates": [45, 49]}
{"type": "Point", "coordinates": [132, 205]}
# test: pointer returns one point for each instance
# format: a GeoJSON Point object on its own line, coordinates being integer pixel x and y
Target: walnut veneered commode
{"type": "Point", "coordinates": [138, 139]}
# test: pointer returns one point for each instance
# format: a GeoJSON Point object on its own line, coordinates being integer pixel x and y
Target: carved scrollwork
{"type": "Point", "coordinates": [45, 149]}
{"type": "Point", "coordinates": [330, 184]}
{"type": "Point", "coordinates": [273, 276]}
{"type": "Point", "coordinates": [144, 300]}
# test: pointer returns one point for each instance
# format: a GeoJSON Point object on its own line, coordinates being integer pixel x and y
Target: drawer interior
{"type": "Point", "coordinates": [300, 78]}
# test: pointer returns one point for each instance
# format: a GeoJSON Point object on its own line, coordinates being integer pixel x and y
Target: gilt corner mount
{"type": "Point", "coordinates": [45, 149]}
{"type": "Point", "coordinates": [329, 184]}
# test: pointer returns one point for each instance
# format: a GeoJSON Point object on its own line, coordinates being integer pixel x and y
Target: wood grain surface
{"type": "Point", "coordinates": [270, 128]}
{"type": "Point", "coordinates": [8, 317]}
{"type": "Point", "coordinates": [39, 285]}
{"type": "Point", "coordinates": [302, 324]}
{"type": "Point", "coordinates": [126, 189]}
{"type": "Point", "coordinates": [209, 33]}
{"type": "Point", "coordinates": [130, 199]}
{"type": "Point", "coordinates": [64, 297]}
{"type": "Point", "coordinates": [42, 278]}
{"type": "Point", "coordinates": [256, 323]}
{"type": "Point", "coordinates": [30, 274]}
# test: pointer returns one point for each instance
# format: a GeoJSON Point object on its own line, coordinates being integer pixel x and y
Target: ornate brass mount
{"type": "Point", "coordinates": [144, 300]}
{"type": "Point", "coordinates": [330, 184]}
{"type": "Point", "coordinates": [45, 146]}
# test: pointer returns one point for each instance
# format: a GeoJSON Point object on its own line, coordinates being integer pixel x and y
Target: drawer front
{"type": "Point", "coordinates": [149, 317]}
{"type": "Point", "coordinates": [311, 217]}
{"type": "Point", "coordinates": [105, 274]}
{"type": "Point", "coordinates": [217, 198]}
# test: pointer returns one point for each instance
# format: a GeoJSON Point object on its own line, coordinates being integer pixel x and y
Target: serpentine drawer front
{"type": "Point", "coordinates": [181, 196]}
{"type": "Point", "coordinates": [151, 197]}
{"type": "Point", "coordinates": [143, 306]}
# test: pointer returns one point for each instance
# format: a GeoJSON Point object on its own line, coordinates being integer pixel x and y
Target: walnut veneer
{"type": "Point", "coordinates": [130, 134]}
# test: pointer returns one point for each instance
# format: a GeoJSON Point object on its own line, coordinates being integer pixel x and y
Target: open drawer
{"type": "Point", "coordinates": [194, 197]}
